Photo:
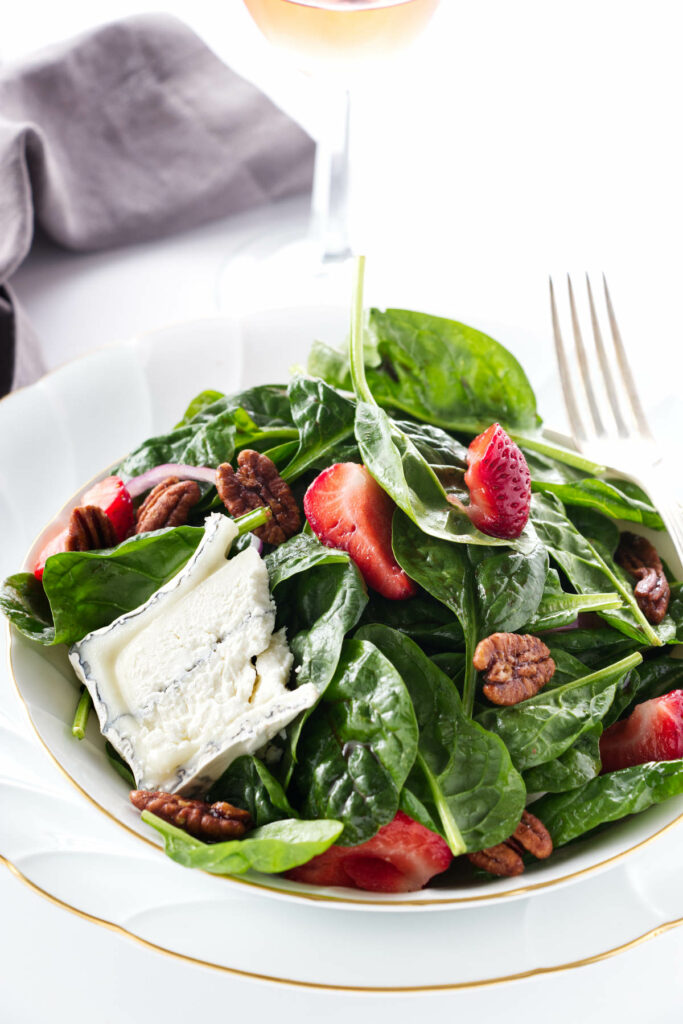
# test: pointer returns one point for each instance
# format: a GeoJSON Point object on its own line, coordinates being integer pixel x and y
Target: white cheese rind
{"type": "Point", "coordinates": [194, 677]}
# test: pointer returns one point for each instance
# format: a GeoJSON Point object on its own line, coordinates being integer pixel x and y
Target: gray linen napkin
{"type": "Point", "coordinates": [132, 131]}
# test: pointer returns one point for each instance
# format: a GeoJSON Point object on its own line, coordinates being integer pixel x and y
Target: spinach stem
{"type": "Point", "coordinates": [356, 355]}
{"type": "Point", "coordinates": [453, 837]}
{"type": "Point", "coordinates": [81, 716]}
{"type": "Point", "coordinates": [252, 520]}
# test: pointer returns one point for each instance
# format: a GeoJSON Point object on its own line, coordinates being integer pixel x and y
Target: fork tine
{"type": "Point", "coordinates": [565, 376]}
{"type": "Point", "coordinates": [583, 364]}
{"type": "Point", "coordinates": [604, 363]}
{"type": "Point", "coordinates": [626, 374]}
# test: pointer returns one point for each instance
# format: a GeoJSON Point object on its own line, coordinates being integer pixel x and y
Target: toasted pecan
{"type": "Point", "coordinates": [505, 859]}
{"type": "Point", "coordinates": [167, 504]}
{"type": "Point", "coordinates": [517, 666]}
{"type": "Point", "coordinates": [652, 592]}
{"type": "Point", "coordinates": [89, 529]}
{"type": "Point", "coordinates": [257, 484]}
{"type": "Point", "coordinates": [211, 822]}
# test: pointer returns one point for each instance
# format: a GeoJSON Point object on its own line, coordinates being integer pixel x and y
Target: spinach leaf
{"type": "Point", "coordinates": [89, 589]}
{"type": "Point", "coordinates": [608, 798]}
{"type": "Point", "coordinates": [23, 601]}
{"type": "Point", "coordinates": [320, 596]}
{"type": "Point", "coordinates": [602, 532]}
{"type": "Point", "coordinates": [463, 775]}
{"type": "Point", "coordinates": [198, 404]}
{"type": "Point", "coordinates": [324, 418]}
{"type": "Point", "coordinates": [206, 444]}
{"type": "Point", "coordinates": [594, 647]}
{"type": "Point", "coordinates": [540, 729]}
{"type": "Point", "coordinates": [435, 445]}
{"type": "Point", "coordinates": [452, 663]}
{"type": "Point", "coordinates": [394, 460]}
{"type": "Point", "coordinates": [299, 554]}
{"type": "Point", "coordinates": [487, 589]}
{"type": "Point", "coordinates": [446, 572]}
{"type": "Point", "coordinates": [218, 430]}
{"type": "Point", "coordinates": [509, 586]}
{"type": "Point", "coordinates": [559, 608]}
{"type": "Point", "coordinates": [590, 571]}
{"type": "Point", "coordinates": [248, 784]}
{"type": "Point", "coordinates": [358, 746]}
{"type": "Point", "coordinates": [272, 848]}
{"type": "Point", "coordinates": [266, 404]}
{"type": "Point", "coordinates": [425, 620]}
{"type": "Point", "coordinates": [398, 467]}
{"type": "Point", "coordinates": [604, 497]}
{"type": "Point", "coordinates": [576, 766]}
{"type": "Point", "coordinates": [676, 610]}
{"type": "Point", "coordinates": [446, 373]}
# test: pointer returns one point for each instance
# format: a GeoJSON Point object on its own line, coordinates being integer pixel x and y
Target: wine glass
{"type": "Point", "coordinates": [336, 43]}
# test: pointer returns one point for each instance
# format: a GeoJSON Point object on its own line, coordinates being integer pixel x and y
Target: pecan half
{"type": "Point", "coordinates": [505, 859]}
{"type": "Point", "coordinates": [257, 484]}
{"type": "Point", "coordinates": [640, 559]}
{"type": "Point", "coordinates": [89, 529]}
{"type": "Point", "coordinates": [517, 666]}
{"type": "Point", "coordinates": [167, 504]}
{"type": "Point", "coordinates": [211, 822]}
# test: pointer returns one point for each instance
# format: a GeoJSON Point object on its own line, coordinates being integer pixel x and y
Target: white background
{"type": "Point", "coordinates": [518, 138]}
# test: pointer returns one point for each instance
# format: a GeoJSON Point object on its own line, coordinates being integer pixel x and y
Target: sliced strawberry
{"type": "Point", "coordinates": [53, 547]}
{"type": "Point", "coordinates": [111, 495]}
{"type": "Point", "coordinates": [652, 732]}
{"type": "Point", "coordinates": [348, 509]}
{"type": "Point", "coordinates": [402, 857]}
{"type": "Point", "coordinates": [499, 483]}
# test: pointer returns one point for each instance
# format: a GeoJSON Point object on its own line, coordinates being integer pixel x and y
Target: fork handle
{"type": "Point", "coordinates": [659, 489]}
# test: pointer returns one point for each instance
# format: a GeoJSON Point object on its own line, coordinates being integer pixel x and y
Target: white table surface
{"type": "Point", "coordinates": [519, 139]}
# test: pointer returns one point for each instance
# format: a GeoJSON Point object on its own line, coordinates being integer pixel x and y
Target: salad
{"type": "Point", "coordinates": [357, 626]}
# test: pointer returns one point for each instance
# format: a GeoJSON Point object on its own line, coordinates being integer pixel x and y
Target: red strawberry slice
{"type": "Point", "coordinates": [402, 857]}
{"type": "Point", "coordinates": [348, 509]}
{"type": "Point", "coordinates": [652, 732]}
{"type": "Point", "coordinates": [111, 495]}
{"type": "Point", "coordinates": [499, 483]}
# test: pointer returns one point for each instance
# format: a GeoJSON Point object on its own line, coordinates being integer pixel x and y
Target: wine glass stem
{"type": "Point", "coordinates": [329, 219]}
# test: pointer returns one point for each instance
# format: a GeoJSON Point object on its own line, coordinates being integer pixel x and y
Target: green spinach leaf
{"type": "Point", "coordinates": [559, 608]}
{"type": "Point", "coordinates": [590, 571]}
{"type": "Point", "coordinates": [608, 798]}
{"type": "Point", "coordinates": [358, 746]}
{"type": "Point", "coordinates": [320, 596]}
{"type": "Point", "coordinates": [324, 418]}
{"type": "Point", "coordinates": [272, 848]}
{"type": "Point", "coordinates": [463, 775]}
{"type": "Point", "coordinates": [509, 586]}
{"type": "Point", "coordinates": [540, 729]}
{"type": "Point", "coordinates": [446, 572]}
{"type": "Point", "coordinates": [89, 589]}
{"type": "Point", "coordinates": [248, 784]}
{"type": "Point", "coordinates": [446, 373]}
{"type": "Point", "coordinates": [576, 766]}
{"type": "Point", "coordinates": [23, 601]}
{"type": "Point", "coordinates": [425, 620]}
{"type": "Point", "coordinates": [200, 402]}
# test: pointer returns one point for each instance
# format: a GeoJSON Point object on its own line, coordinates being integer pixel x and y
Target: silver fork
{"type": "Point", "coordinates": [617, 433]}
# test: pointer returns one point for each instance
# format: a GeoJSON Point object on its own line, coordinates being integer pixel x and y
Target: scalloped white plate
{"type": "Point", "coordinates": [55, 436]}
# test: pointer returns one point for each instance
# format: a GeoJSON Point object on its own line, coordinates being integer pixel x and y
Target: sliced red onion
{"type": "Point", "coordinates": [146, 481]}
{"type": "Point", "coordinates": [257, 543]}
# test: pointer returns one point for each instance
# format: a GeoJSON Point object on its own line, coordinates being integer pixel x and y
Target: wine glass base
{"type": "Point", "coordinates": [282, 270]}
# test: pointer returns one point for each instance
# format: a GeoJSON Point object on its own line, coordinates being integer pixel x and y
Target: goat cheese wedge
{"type": "Point", "coordinates": [194, 677]}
